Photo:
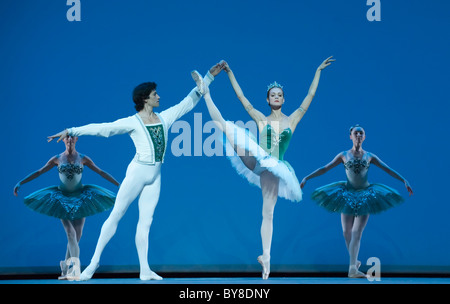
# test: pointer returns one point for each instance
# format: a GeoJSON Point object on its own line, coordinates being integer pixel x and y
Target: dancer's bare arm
{"type": "Point", "coordinates": [297, 115]}
{"type": "Point", "coordinates": [379, 163]}
{"type": "Point", "coordinates": [87, 161]}
{"type": "Point", "coordinates": [256, 115]}
{"type": "Point", "coordinates": [338, 159]}
{"type": "Point", "coordinates": [50, 164]}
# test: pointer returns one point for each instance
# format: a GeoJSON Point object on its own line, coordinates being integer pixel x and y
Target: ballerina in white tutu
{"type": "Point", "coordinates": [356, 198]}
{"type": "Point", "coordinates": [263, 164]}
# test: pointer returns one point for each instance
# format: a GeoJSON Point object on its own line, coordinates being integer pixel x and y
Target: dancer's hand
{"type": "Point", "coordinates": [61, 135]}
{"type": "Point", "coordinates": [408, 187]}
{"type": "Point", "coordinates": [215, 69]}
{"type": "Point", "coordinates": [302, 184]}
{"type": "Point", "coordinates": [16, 189]}
{"type": "Point", "coordinates": [326, 63]}
{"type": "Point", "coordinates": [225, 66]}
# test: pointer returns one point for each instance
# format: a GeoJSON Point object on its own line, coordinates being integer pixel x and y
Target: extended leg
{"type": "Point", "coordinates": [131, 186]}
{"type": "Point", "coordinates": [72, 243]}
{"type": "Point", "coordinates": [147, 204]}
{"type": "Point", "coordinates": [359, 223]}
{"type": "Point", "coordinates": [73, 230]}
{"type": "Point", "coordinates": [73, 251]}
{"type": "Point", "coordinates": [269, 187]}
{"type": "Point", "coordinates": [248, 159]}
{"type": "Point", "coordinates": [78, 225]}
{"type": "Point", "coordinates": [347, 226]}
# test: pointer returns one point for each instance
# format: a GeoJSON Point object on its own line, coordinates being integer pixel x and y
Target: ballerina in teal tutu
{"type": "Point", "coordinates": [356, 198]}
{"type": "Point", "coordinates": [71, 201]}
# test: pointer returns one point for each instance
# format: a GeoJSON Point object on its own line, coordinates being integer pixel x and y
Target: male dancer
{"type": "Point", "coordinates": [149, 132]}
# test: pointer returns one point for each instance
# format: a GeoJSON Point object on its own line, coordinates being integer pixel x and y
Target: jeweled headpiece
{"type": "Point", "coordinates": [274, 85]}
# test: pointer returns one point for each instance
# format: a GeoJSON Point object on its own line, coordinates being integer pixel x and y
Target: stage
{"type": "Point", "coordinates": [66, 66]}
{"type": "Point", "coordinates": [240, 281]}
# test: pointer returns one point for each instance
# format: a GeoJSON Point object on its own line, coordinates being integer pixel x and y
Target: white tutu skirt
{"type": "Point", "coordinates": [289, 187]}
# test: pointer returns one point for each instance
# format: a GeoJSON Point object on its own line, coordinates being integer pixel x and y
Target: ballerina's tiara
{"type": "Point", "coordinates": [274, 85]}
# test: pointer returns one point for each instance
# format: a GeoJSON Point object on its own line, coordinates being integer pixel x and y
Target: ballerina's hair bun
{"type": "Point", "coordinates": [352, 127]}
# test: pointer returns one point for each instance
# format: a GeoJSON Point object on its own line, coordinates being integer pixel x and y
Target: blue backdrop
{"type": "Point", "coordinates": [391, 76]}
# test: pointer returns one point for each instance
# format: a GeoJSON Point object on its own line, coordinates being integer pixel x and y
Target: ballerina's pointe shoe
{"type": "Point", "coordinates": [354, 273]}
{"type": "Point", "coordinates": [88, 272]}
{"type": "Point", "coordinates": [74, 274]}
{"type": "Point", "coordinates": [265, 263]}
{"type": "Point", "coordinates": [199, 81]}
{"type": "Point", "coordinates": [64, 268]}
{"type": "Point", "coordinates": [150, 276]}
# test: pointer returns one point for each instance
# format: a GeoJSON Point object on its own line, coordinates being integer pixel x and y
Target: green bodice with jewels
{"type": "Point", "coordinates": [273, 143]}
{"type": "Point", "coordinates": [157, 135]}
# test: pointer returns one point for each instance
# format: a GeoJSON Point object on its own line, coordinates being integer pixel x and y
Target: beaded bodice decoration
{"type": "Point", "coordinates": [273, 143]}
{"type": "Point", "coordinates": [357, 172]}
{"type": "Point", "coordinates": [356, 165]}
{"type": "Point", "coordinates": [70, 170]}
{"type": "Point", "coordinates": [70, 176]}
{"type": "Point", "coordinates": [157, 135]}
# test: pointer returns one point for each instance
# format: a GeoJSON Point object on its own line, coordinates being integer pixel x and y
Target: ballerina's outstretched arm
{"type": "Point", "coordinates": [256, 115]}
{"type": "Point", "coordinates": [87, 161]}
{"type": "Point", "coordinates": [338, 159]}
{"type": "Point", "coordinates": [50, 164]}
{"type": "Point", "coordinates": [379, 163]}
{"type": "Point", "coordinates": [295, 117]}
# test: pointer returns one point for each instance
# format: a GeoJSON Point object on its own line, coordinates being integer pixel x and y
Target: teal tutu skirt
{"type": "Point", "coordinates": [336, 197]}
{"type": "Point", "coordinates": [88, 200]}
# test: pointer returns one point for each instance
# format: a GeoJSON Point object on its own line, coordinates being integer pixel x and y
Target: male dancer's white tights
{"type": "Point", "coordinates": [143, 181]}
